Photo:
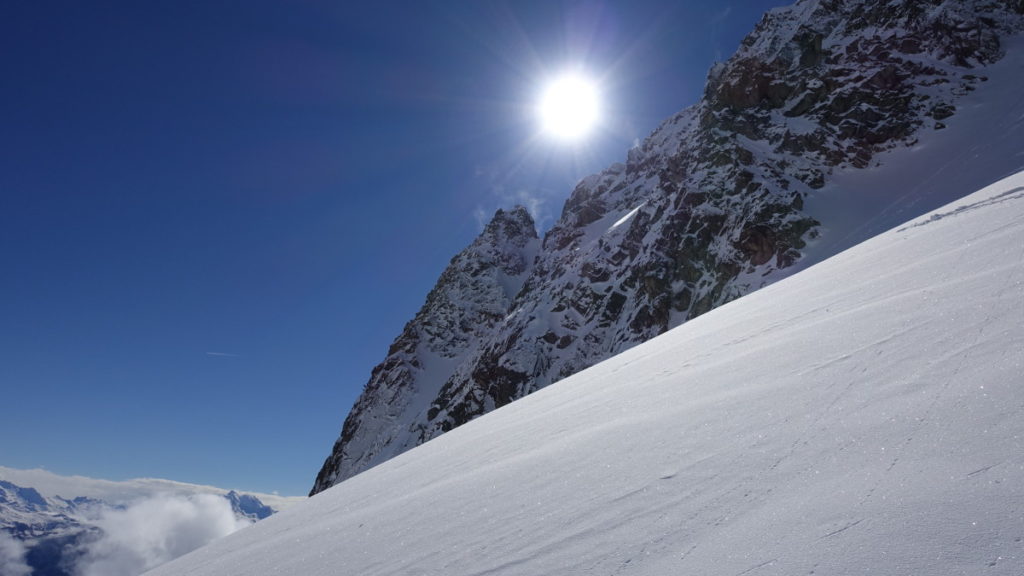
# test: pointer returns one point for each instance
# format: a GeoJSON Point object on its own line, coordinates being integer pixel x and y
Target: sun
{"type": "Point", "coordinates": [569, 107]}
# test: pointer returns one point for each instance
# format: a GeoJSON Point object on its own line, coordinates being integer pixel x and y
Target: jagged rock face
{"type": "Point", "coordinates": [711, 205]}
{"type": "Point", "coordinates": [472, 296]}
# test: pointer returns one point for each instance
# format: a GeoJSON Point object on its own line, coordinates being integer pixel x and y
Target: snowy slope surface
{"type": "Point", "coordinates": [865, 416]}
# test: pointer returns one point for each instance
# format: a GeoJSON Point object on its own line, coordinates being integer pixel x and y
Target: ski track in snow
{"type": "Point", "coordinates": [1013, 194]}
{"type": "Point", "coordinates": [863, 416]}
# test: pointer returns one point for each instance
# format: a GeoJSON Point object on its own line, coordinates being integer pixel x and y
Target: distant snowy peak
{"type": "Point", "coordinates": [714, 204]}
{"type": "Point", "coordinates": [248, 506]}
{"type": "Point", "coordinates": [25, 513]}
{"type": "Point", "coordinates": [472, 296]}
{"type": "Point", "coordinates": [27, 499]}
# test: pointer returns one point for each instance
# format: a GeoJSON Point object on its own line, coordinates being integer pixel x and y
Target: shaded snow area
{"type": "Point", "coordinates": [865, 416]}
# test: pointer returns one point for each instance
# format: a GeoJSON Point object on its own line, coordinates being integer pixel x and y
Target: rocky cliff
{"type": "Point", "coordinates": [708, 208]}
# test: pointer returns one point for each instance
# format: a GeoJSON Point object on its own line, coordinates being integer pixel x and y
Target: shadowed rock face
{"type": "Point", "coordinates": [473, 295]}
{"type": "Point", "coordinates": [708, 208]}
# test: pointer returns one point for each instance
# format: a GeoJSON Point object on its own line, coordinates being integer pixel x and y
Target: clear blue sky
{"type": "Point", "coordinates": [215, 216]}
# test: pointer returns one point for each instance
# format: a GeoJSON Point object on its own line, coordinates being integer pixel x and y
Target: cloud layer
{"type": "Point", "coordinates": [12, 557]}
{"type": "Point", "coordinates": [153, 531]}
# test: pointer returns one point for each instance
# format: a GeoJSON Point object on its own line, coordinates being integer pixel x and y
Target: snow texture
{"type": "Point", "coordinates": [865, 416]}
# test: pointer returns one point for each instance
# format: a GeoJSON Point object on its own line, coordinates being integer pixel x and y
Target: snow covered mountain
{"type": "Point", "coordinates": [834, 121]}
{"type": "Point", "coordinates": [865, 416]}
{"type": "Point", "coordinates": [90, 530]}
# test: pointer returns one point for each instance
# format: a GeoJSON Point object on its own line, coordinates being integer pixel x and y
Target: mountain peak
{"type": "Point", "coordinates": [512, 223]}
{"type": "Point", "coordinates": [517, 213]}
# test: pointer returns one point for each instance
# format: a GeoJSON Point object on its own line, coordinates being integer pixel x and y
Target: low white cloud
{"type": "Point", "coordinates": [504, 192]}
{"type": "Point", "coordinates": [482, 217]}
{"type": "Point", "coordinates": [716, 28]}
{"type": "Point", "coordinates": [154, 531]}
{"type": "Point", "coordinates": [721, 15]}
{"type": "Point", "coordinates": [535, 204]}
{"type": "Point", "coordinates": [12, 557]}
{"type": "Point", "coordinates": [225, 354]}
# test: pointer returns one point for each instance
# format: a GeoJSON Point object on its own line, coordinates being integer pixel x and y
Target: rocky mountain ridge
{"type": "Point", "coordinates": [711, 206]}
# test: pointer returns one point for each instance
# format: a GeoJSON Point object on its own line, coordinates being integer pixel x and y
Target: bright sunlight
{"type": "Point", "coordinates": [569, 107]}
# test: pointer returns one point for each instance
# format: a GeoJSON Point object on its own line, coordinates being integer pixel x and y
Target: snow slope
{"type": "Point", "coordinates": [863, 416]}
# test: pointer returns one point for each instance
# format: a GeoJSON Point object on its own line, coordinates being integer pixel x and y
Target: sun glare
{"type": "Point", "coordinates": [569, 108]}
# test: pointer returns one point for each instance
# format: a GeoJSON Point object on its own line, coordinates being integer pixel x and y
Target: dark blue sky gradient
{"type": "Point", "coordinates": [279, 183]}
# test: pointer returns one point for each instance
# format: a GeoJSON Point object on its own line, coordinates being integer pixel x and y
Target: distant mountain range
{"type": "Point", "coordinates": [54, 521]}
{"type": "Point", "coordinates": [834, 121]}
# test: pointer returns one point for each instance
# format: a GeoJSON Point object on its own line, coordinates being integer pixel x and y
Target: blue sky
{"type": "Point", "coordinates": [215, 216]}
